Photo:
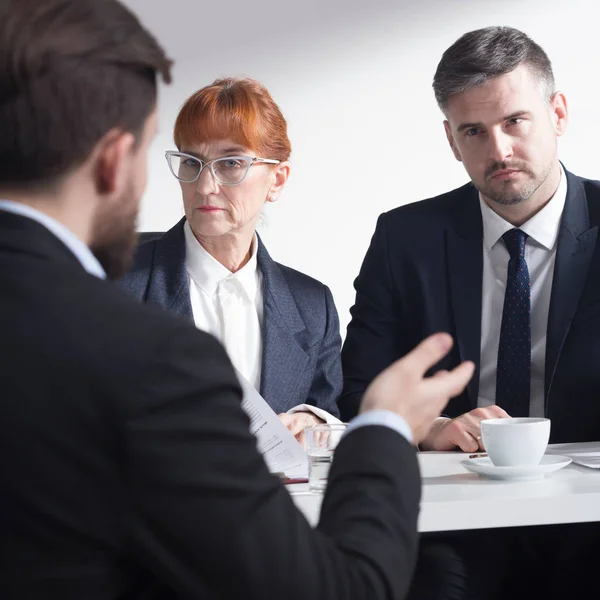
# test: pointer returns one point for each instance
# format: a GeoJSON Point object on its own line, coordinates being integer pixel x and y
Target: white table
{"type": "Point", "coordinates": [455, 499]}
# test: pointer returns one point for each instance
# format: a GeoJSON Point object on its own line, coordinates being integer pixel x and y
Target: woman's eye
{"type": "Point", "coordinates": [232, 164]}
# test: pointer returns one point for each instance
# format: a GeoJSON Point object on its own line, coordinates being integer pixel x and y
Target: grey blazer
{"type": "Point", "coordinates": [301, 339]}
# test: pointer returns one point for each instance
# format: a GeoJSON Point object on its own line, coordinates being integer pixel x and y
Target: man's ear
{"type": "Point", "coordinates": [451, 141]}
{"type": "Point", "coordinates": [112, 158]}
{"type": "Point", "coordinates": [560, 113]}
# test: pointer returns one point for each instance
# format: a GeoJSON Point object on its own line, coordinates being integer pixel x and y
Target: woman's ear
{"type": "Point", "coordinates": [282, 173]}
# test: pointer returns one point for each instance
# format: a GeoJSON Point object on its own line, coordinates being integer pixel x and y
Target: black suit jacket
{"type": "Point", "coordinates": [127, 470]}
{"type": "Point", "coordinates": [423, 273]}
{"type": "Point", "coordinates": [301, 338]}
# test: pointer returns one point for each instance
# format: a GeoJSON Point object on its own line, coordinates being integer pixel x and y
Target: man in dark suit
{"type": "Point", "coordinates": [127, 470]}
{"type": "Point", "coordinates": [445, 263]}
{"type": "Point", "coordinates": [508, 263]}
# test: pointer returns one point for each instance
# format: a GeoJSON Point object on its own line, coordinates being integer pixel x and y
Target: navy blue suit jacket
{"type": "Point", "coordinates": [423, 274]}
{"type": "Point", "coordinates": [301, 339]}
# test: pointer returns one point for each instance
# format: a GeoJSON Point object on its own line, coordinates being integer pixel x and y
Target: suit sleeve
{"type": "Point", "coordinates": [374, 333]}
{"type": "Point", "coordinates": [326, 385]}
{"type": "Point", "coordinates": [210, 521]}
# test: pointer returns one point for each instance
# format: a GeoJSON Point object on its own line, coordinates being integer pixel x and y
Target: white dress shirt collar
{"type": "Point", "coordinates": [207, 272]}
{"type": "Point", "coordinates": [83, 254]}
{"type": "Point", "coordinates": [542, 228]}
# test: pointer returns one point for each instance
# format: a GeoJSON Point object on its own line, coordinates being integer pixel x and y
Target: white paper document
{"type": "Point", "coordinates": [280, 449]}
{"type": "Point", "coordinates": [586, 454]}
{"type": "Point", "coordinates": [585, 459]}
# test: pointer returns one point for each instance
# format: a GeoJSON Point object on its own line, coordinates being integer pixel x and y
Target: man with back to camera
{"type": "Point", "coordinates": [509, 264]}
{"type": "Point", "coordinates": [127, 470]}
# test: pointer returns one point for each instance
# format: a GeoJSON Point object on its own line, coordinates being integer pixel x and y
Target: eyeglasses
{"type": "Point", "coordinates": [229, 170]}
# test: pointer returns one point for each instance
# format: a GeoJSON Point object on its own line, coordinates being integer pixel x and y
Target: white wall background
{"type": "Point", "coordinates": [353, 79]}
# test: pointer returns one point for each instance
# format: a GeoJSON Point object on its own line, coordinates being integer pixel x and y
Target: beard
{"type": "Point", "coordinates": [507, 193]}
{"type": "Point", "coordinates": [114, 236]}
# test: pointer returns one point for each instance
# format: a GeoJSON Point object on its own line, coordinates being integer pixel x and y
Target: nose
{"type": "Point", "coordinates": [500, 146]}
{"type": "Point", "coordinates": [206, 183]}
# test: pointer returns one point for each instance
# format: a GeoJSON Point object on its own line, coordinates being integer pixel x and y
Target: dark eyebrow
{"type": "Point", "coordinates": [464, 126]}
{"type": "Point", "coordinates": [519, 113]}
{"type": "Point", "coordinates": [229, 151]}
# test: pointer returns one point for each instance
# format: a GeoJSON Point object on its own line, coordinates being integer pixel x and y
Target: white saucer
{"type": "Point", "coordinates": [484, 466]}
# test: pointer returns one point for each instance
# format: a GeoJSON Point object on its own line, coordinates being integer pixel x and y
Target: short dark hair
{"type": "Point", "coordinates": [70, 71]}
{"type": "Point", "coordinates": [485, 53]}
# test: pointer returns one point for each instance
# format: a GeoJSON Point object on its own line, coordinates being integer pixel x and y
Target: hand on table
{"type": "Point", "coordinates": [464, 432]}
{"type": "Point", "coordinates": [297, 422]}
{"type": "Point", "coordinates": [404, 389]}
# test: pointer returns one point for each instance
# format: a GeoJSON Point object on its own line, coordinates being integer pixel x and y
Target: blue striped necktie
{"type": "Point", "coordinates": [513, 375]}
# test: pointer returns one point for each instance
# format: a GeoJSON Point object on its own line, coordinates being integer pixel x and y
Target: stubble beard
{"type": "Point", "coordinates": [504, 192]}
{"type": "Point", "coordinates": [114, 237]}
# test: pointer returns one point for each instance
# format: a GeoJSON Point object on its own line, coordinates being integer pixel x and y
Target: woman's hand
{"type": "Point", "coordinates": [297, 422]}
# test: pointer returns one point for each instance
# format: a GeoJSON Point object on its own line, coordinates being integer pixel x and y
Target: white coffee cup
{"type": "Point", "coordinates": [515, 442]}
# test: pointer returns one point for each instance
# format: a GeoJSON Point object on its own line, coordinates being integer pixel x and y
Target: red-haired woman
{"type": "Point", "coordinates": [280, 327]}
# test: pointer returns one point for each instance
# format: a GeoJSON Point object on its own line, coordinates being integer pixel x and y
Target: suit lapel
{"type": "Point", "coordinates": [575, 246]}
{"type": "Point", "coordinates": [284, 359]}
{"type": "Point", "coordinates": [465, 272]}
{"type": "Point", "coordinates": [168, 286]}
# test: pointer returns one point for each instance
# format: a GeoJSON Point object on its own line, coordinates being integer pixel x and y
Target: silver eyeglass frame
{"type": "Point", "coordinates": [203, 163]}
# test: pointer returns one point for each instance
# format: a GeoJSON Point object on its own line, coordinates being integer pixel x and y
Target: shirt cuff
{"type": "Point", "coordinates": [318, 412]}
{"type": "Point", "coordinates": [385, 418]}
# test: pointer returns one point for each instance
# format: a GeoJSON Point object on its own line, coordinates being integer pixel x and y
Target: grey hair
{"type": "Point", "coordinates": [485, 53]}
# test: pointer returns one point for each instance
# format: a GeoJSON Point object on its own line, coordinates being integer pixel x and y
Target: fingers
{"type": "Point", "coordinates": [497, 411]}
{"type": "Point", "coordinates": [429, 352]}
{"type": "Point", "coordinates": [440, 373]}
{"type": "Point", "coordinates": [449, 384]}
{"type": "Point", "coordinates": [286, 419]}
{"type": "Point", "coordinates": [466, 442]}
{"type": "Point", "coordinates": [301, 437]}
{"type": "Point", "coordinates": [479, 442]}
{"type": "Point", "coordinates": [489, 412]}
{"type": "Point", "coordinates": [450, 434]}
{"type": "Point", "coordinates": [297, 426]}
{"type": "Point", "coordinates": [464, 433]}
{"type": "Point", "coordinates": [292, 422]}
{"type": "Point", "coordinates": [296, 423]}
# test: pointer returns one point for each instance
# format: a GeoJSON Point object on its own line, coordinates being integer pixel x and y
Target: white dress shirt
{"type": "Point", "coordinates": [82, 253]}
{"type": "Point", "coordinates": [215, 293]}
{"type": "Point", "coordinates": [230, 307]}
{"type": "Point", "coordinates": [540, 255]}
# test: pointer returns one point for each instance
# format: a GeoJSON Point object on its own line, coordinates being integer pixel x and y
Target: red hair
{"type": "Point", "coordinates": [240, 110]}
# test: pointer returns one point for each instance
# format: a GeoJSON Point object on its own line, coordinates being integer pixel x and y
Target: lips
{"type": "Point", "coordinates": [505, 173]}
